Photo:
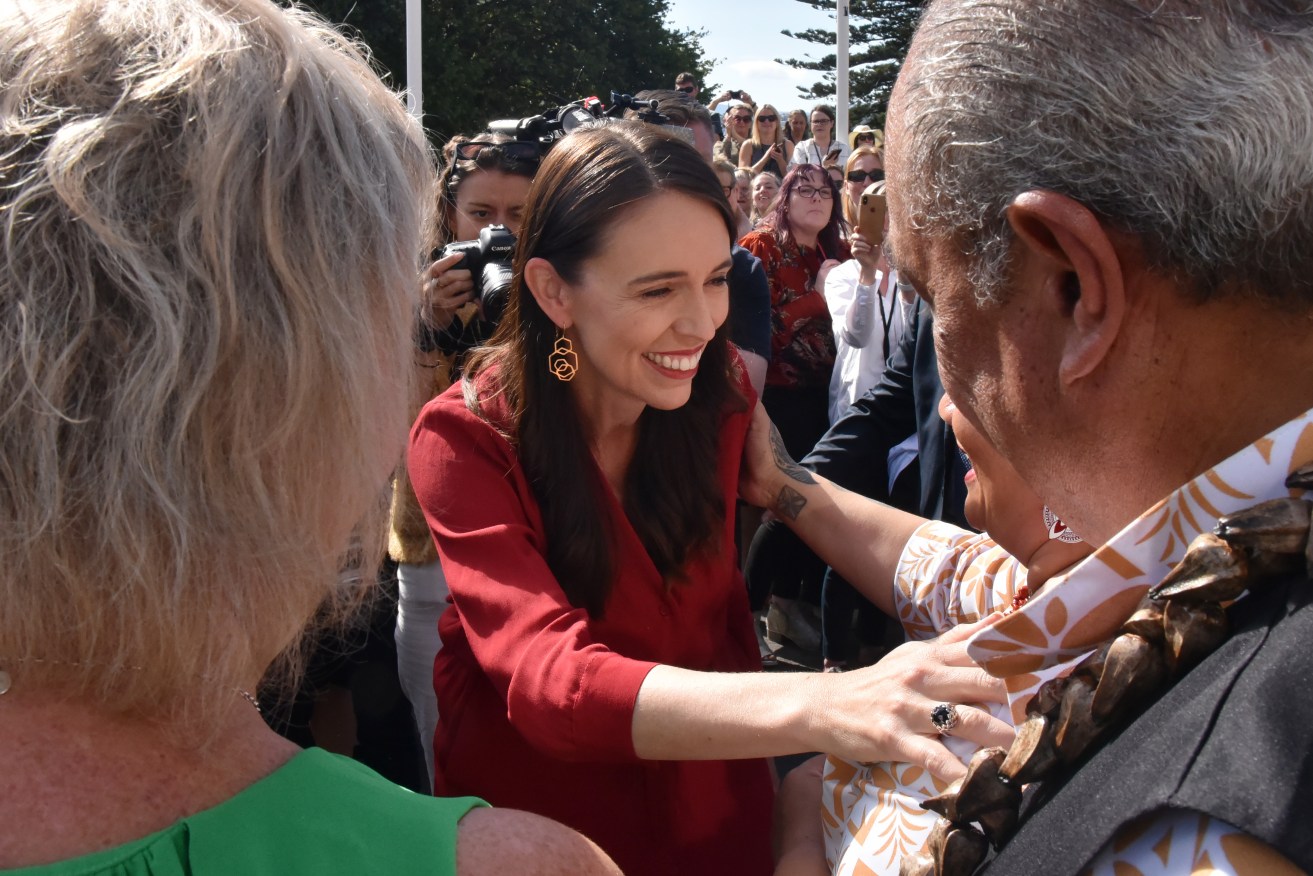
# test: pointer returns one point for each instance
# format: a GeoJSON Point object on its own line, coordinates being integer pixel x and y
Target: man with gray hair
{"type": "Point", "coordinates": [1109, 205]}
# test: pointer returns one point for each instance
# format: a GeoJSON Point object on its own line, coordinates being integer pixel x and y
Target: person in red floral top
{"type": "Point", "coordinates": [798, 242]}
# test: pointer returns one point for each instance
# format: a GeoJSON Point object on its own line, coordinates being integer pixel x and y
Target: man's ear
{"type": "Point", "coordinates": [551, 292]}
{"type": "Point", "coordinates": [1080, 271]}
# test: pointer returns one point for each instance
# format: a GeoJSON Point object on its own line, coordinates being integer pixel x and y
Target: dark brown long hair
{"type": "Point", "coordinates": [778, 218]}
{"type": "Point", "coordinates": [585, 186]}
{"type": "Point", "coordinates": [495, 156]}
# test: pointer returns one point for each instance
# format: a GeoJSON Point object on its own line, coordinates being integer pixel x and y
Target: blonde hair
{"type": "Point", "coordinates": [849, 208]}
{"type": "Point", "coordinates": [211, 223]}
{"type": "Point", "coordinates": [779, 124]}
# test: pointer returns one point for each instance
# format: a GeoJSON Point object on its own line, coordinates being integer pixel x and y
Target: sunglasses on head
{"type": "Point", "coordinates": [861, 176]}
{"type": "Point", "coordinates": [514, 150]}
{"type": "Point", "coordinates": [768, 118]}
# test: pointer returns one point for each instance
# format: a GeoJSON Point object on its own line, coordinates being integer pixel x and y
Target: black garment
{"type": "Point", "coordinates": [775, 165]}
{"type": "Point", "coordinates": [749, 303]}
{"type": "Point", "coordinates": [839, 599]}
{"type": "Point", "coordinates": [854, 454]}
{"type": "Point", "coordinates": [1233, 739]}
{"type": "Point", "coordinates": [362, 660]}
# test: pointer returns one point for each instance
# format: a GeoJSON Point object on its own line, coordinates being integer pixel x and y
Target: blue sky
{"type": "Point", "coordinates": [744, 39]}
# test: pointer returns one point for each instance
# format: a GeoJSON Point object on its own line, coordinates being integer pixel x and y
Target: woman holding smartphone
{"type": "Point", "coordinates": [821, 145]}
{"type": "Point", "coordinates": [767, 149]}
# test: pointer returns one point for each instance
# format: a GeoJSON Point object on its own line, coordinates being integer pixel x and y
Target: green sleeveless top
{"type": "Point", "coordinates": [318, 813]}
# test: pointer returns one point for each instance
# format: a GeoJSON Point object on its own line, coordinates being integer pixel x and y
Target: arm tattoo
{"type": "Point", "coordinates": [789, 503]}
{"type": "Point", "coordinates": [784, 462]}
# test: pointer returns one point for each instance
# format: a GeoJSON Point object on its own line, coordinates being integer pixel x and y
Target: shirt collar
{"type": "Point", "coordinates": [1076, 612]}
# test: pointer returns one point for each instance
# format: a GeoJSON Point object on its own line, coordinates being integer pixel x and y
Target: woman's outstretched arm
{"type": "Point", "coordinates": [878, 713]}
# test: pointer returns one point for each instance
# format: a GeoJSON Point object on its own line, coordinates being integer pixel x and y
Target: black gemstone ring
{"type": "Point", "coordinates": [944, 717]}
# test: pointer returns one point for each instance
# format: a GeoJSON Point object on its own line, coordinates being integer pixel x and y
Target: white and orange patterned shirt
{"type": "Point", "coordinates": [871, 815]}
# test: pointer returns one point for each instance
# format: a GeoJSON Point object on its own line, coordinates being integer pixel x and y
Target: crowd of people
{"type": "Point", "coordinates": [678, 388]}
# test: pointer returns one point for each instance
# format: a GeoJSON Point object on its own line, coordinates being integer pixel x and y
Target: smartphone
{"type": "Point", "coordinates": [872, 212]}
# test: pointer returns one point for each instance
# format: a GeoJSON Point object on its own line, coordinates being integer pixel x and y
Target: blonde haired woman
{"type": "Point", "coordinates": [202, 391]}
{"type": "Point", "coordinates": [767, 149]}
{"type": "Point", "coordinates": [864, 166]}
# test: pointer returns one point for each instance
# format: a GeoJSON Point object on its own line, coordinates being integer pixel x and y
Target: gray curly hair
{"type": "Point", "coordinates": [1186, 122]}
{"type": "Point", "coordinates": [212, 213]}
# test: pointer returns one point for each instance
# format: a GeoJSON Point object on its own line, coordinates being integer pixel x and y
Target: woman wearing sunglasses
{"type": "Point", "coordinates": [738, 130]}
{"type": "Point", "coordinates": [865, 166]}
{"type": "Point", "coordinates": [486, 182]}
{"type": "Point", "coordinates": [767, 149]}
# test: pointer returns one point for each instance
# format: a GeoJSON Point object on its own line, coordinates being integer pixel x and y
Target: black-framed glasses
{"type": "Point", "coordinates": [809, 192]}
{"type": "Point", "coordinates": [512, 150]}
{"type": "Point", "coordinates": [768, 118]}
{"type": "Point", "coordinates": [739, 117]}
{"type": "Point", "coordinates": [861, 176]}
{"type": "Point", "coordinates": [687, 89]}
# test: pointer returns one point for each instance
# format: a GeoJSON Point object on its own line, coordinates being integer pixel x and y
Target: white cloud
{"type": "Point", "coordinates": [763, 69]}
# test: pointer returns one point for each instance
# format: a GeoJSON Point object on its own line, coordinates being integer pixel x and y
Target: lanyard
{"type": "Point", "coordinates": [885, 320]}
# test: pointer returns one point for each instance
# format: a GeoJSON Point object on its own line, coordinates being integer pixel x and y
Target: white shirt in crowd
{"type": "Point", "coordinates": [867, 328]}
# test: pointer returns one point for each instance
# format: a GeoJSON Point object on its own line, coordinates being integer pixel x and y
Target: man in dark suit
{"type": "Point", "coordinates": [854, 453]}
{"type": "Point", "coordinates": [1123, 307]}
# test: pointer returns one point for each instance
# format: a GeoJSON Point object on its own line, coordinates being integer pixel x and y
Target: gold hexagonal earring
{"type": "Point", "coordinates": [562, 360]}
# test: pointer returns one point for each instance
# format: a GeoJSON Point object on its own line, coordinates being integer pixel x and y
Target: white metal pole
{"type": "Point", "coordinates": [414, 59]}
{"type": "Point", "coordinates": [841, 71]}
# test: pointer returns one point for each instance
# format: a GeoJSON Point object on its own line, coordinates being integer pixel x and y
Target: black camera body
{"type": "Point", "coordinates": [488, 260]}
{"type": "Point", "coordinates": [551, 125]}
{"type": "Point", "coordinates": [736, 95]}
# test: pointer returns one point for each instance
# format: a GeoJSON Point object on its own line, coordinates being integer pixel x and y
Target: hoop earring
{"type": "Point", "coordinates": [562, 361]}
{"type": "Point", "coordinates": [1057, 529]}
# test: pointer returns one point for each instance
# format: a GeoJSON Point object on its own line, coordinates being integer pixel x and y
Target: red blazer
{"type": "Point", "coordinates": [536, 699]}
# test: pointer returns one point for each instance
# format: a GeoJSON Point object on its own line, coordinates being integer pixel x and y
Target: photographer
{"type": "Point", "coordinates": [486, 182]}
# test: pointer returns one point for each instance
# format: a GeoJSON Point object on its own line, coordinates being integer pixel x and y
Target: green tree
{"type": "Point", "coordinates": [487, 60]}
{"type": "Point", "coordinates": [879, 32]}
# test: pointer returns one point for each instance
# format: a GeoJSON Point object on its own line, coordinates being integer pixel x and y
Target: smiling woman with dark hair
{"type": "Point", "coordinates": [581, 486]}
